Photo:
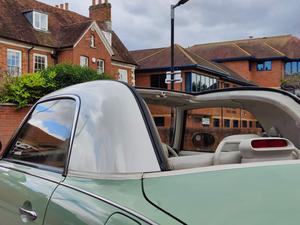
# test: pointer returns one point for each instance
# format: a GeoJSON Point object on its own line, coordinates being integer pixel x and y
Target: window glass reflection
{"type": "Point", "coordinates": [44, 139]}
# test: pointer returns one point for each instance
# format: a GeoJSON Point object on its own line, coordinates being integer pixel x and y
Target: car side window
{"type": "Point", "coordinates": [45, 138]}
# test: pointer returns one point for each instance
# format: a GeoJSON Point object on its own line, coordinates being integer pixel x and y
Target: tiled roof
{"type": "Point", "coordinates": [160, 58]}
{"type": "Point", "coordinates": [286, 46]}
{"type": "Point", "coordinates": [65, 27]}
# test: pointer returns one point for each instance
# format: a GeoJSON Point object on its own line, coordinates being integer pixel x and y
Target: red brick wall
{"type": "Point", "coordinates": [99, 52]}
{"type": "Point", "coordinates": [262, 78]}
{"type": "Point", "coordinates": [3, 57]}
{"type": "Point", "coordinates": [65, 56]}
{"type": "Point", "coordinates": [240, 67]}
{"type": "Point", "coordinates": [10, 119]}
{"type": "Point", "coordinates": [269, 78]}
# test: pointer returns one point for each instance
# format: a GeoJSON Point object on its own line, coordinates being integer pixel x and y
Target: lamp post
{"type": "Point", "coordinates": [181, 2]}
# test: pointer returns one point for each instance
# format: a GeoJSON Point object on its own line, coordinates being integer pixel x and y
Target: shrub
{"type": "Point", "coordinates": [28, 88]}
{"type": "Point", "coordinates": [67, 75]}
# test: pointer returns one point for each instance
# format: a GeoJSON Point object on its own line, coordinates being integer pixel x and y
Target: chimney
{"type": "Point", "coordinates": [56, 6]}
{"type": "Point", "coordinates": [101, 12]}
{"type": "Point", "coordinates": [66, 6]}
{"type": "Point", "coordinates": [61, 6]}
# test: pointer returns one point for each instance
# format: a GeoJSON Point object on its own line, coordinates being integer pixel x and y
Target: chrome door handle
{"type": "Point", "coordinates": [31, 215]}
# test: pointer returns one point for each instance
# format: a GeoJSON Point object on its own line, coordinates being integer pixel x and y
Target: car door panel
{"type": "Point", "coordinates": [69, 206]}
{"type": "Point", "coordinates": [21, 189]}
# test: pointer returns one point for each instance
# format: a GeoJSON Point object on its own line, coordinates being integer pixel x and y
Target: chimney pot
{"type": "Point", "coordinates": [57, 6]}
{"type": "Point", "coordinates": [61, 6]}
{"type": "Point", "coordinates": [67, 6]}
{"type": "Point", "coordinates": [94, 2]}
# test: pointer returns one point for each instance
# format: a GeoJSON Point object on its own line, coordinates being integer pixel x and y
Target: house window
{"type": "Point", "coordinates": [40, 62]}
{"type": "Point", "coordinates": [100, 66]}
{"type": "Point", "coordinates": [84, 61]}
{"type": "Point", "coordinates": [227, 123]}
{"type": "Point", "coordinates": [264, 66]}
{"type": "Point", "coordinates": [40, 21]}
{"type": "Point", "coordinates": [216, 122]}
{"type": "Point", "coordinates": [235, 123]}
{"type": "Point", "coordinates": [250, 124]}
{"type": "Point", "coordinates": [14, 62]}
{"type": "Point", "coordinates": [196, 83]}
{"type": "Point", "coordinates": [92, 41]}
{"type": "Point", "coordinates": [159, 121]}
{"type": "Point", "coordinates": [292, 68]}
{"type": "Point", "coordinates": [159, 81]}
{"type": "Point", "coordinates": [123, 75]}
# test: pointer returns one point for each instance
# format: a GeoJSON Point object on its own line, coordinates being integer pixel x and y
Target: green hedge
{"type": "Point", "coordinates": [28, 88]}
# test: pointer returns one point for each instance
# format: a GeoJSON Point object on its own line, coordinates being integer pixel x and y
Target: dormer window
{"type": "Point", "coordinates": [40, 21]}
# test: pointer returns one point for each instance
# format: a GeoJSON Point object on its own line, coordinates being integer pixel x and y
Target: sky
{"type": "Point", "coordinates": [146, 23]}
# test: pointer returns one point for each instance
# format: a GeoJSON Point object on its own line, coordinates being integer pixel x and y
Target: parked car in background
{"type": "Point", "coordinates": [91, 154]}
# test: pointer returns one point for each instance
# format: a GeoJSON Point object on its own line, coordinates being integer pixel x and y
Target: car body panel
{"type": "Point", "coordinates": [255, 195]}
{"type": "Point", "coordinates": [21, 185]}
{"type": "Point", "coordinates": [107, 197]}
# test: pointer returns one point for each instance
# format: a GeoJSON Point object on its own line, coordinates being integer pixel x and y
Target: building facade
{"type": "Point", "coordinates": [264, 61]}
{"type": "Point", "coordinates": [34, 35]}
{"type": "Point", "coordinates": [194, 74]}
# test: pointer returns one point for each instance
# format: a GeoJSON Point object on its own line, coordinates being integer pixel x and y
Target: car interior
{"type": "Point", "coordinates": [270, 144]}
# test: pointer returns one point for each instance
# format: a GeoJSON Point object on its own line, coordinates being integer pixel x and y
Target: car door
{"type": "Point", "coordinates": [33, 164]}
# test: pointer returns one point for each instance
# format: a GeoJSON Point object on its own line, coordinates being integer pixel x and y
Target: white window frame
{"type": "Point", "coordinates": [92, 41]}
{"type": "Point", "coordinates": [121, 78]}
{"type": "Point", "coordinates": [40, 27]}
{"type": "Point", "coordinates": [86, 61]}
{"type": "Point", "coordinates": [20, 61]}
{"type": "Point", "coordinates": [103, 67]}
{"type": "Point", "coordinates": [39, 55]}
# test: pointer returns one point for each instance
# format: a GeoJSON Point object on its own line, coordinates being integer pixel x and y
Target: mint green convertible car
{"type": "Point", "coordinates": [91, 154]}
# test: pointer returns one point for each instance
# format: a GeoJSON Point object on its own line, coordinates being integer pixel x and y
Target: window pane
{"type": "Point", "coordinates": [294, 67]}
{"type": "Point", "coordinates": [268, 65]}
{"type": "Point", "coordinates": [40, 62]}
{"type": "Point", "coordinates": [13, 62]}
{"type": "Point", "coordinates": [45, 137]}
{"type": "Point", "coordinates": [44, 23]}
{"type": "Point", "coordinates": [260, 66]}
{"type": "Point", "coordinates": [235, 123]}
{"type": "Point", "coordinates": [123, 75]}
{"type": "Point", "coordinates": [194, 82]}
{"type": "Point", "coordinates": [227, 123]}
{"type": "Point", "coordinates": [288, 68]}
{"type": "Point", "coordinates": [100, 66]}
{"type": "Point", "coordinates": [84, 61]}
{"type": "Point", "coordinates": [216, 122]}
{"type": "Point", "coordinates": [37, 22]}
{"type": "Point", "coordinates": [159, 121]}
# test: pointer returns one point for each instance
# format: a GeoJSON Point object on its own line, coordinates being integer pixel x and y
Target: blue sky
{"type": "Point", "coordinates": [145, 23]}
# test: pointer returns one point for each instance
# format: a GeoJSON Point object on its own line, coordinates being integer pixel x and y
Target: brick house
{"type": "Point", "coordinates": [34, 35]}
{"type": "Point", "coordinates": [264, 61]}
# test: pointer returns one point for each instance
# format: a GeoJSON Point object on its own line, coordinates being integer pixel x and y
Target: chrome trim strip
{"type": "Point", "coordinates": [129, 211]}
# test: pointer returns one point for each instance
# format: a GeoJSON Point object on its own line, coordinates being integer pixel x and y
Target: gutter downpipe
{"type": "Point", "coordinates": [28, 58]}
